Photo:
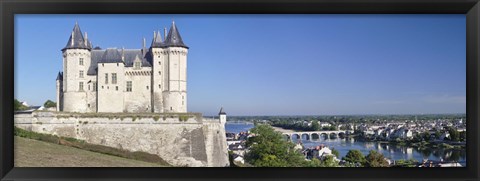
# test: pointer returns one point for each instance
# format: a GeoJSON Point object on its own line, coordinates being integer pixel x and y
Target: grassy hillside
{"type": "Point", "coordinates": [33, 153]}
{"type": "Point", "coordinates": [80, 144]}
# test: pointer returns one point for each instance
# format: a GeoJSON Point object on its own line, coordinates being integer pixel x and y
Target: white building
{"type": "Point", "coordinates": [150, 79]}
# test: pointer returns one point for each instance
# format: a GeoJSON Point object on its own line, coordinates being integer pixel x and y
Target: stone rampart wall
{"type": "Point", "coordinates": [183, 139]}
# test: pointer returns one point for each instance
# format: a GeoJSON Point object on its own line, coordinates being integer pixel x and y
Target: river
{"type": "Point", "coordinates": [389, 151]}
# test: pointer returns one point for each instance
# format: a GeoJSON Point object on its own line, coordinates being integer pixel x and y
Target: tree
{"type": "Point", "coordinates": [454, 134]}
{"type": "Point", "coordinates": [438, 134]}
{"type": "Point", "coordinates": [375, 159]}
{"type": "Point", "coordinates": [269, 149]}
{"type": "Point", "coordinates": [407, 163]}
{"type": "Point", "coordinates": [335, 152]}
{"type": "Point", "coordinates": [426, 136]}
{"type": "Point", "coordinates": [463, 136]}
{"type": "Point", "coordinates": [18, 106]}
{"type": "Point", "coordinates": [328, 161]}
{"type": "Point", "coordinates": [355, 156]}
{"type": "Point", "coordinates": [315, 125]}
{"type": "Point", "coordinates": [49, 104]}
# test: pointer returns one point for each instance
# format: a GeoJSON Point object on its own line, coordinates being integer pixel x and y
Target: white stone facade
{"type": "Point", "coordinates": [150, 79]}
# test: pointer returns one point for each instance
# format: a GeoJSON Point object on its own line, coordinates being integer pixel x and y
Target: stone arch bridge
{"type": "Point", "coordinates": [318, 134]}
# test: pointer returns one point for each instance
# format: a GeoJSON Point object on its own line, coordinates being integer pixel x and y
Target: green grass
{"type": "Point", "coordinates": [33, 153]}
{"type": "Point", "coordinates": [72, 142]}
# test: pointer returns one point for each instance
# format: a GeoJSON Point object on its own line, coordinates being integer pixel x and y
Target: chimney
{"type": "Point", "coordinates": [123, 54]}
{"type": "Point", "coordinates": [144, 44]}
{"type": "Point", "coordinates": [165, 33]}
{"type": "Point", "coordinates": [86, 39]}
{"type": "Point", "coordinates": [73, 38]}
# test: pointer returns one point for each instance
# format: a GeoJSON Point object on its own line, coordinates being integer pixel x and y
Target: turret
{"type": "Point", "coordinates": [59, 84]}
{"type": "Point", "coordinates": [158, 61]}
{"type": "Point", "coordinates": [223, 116]}
{"type": "Point", "coordinates": [175, 86]}
{"type": "Point", "coordinates": [76, 61]}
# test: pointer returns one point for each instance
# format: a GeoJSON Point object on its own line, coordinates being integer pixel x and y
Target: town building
{"type": "Point", "coordinates": [149, 79]}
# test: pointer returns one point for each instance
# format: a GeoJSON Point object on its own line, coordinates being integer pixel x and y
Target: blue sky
{"type": "Point", "coordinates": [276, 64]}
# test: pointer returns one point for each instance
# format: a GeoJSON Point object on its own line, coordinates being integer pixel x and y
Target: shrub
{"type": "Point", "coordinates": [49, 104]}
{"type": "Point", "coordinates": [355, 156]}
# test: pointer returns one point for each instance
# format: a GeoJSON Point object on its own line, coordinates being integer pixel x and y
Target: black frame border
{"type": "Point", "coordinates": [8, 8]}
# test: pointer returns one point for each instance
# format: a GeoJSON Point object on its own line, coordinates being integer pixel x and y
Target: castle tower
{"type": "Point", "coordinates": [175, 72]}
{"type": "Point", "coordinates": [59, 83]}
{"type": "Point", "coordinates": [158, 62]}
{"type": "Point", "coordinates": [76, 60]}
{"type": "Point", "coordinates": [223, 116]}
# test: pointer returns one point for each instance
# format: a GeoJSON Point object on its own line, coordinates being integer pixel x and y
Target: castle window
{"type": "Point", "coordinates": [80, 86]}
{"type": "Point", "coordinates": [159, 63]}
{"type": "Point", "coordinates": [171, 108]}
{"type": "Point", "coordinates": [88, 86]}
{"type": "Point", "coordinates": [129, 86]}
{"type": "Point", "coordinates": [94, 86]}
{"type": "Point", "coordinates": [116, 88]}
{"type": "Point", "coordinates": [137, 64]}
{"type": "Point", "coordinates": [159, 86]}
{"type": "Point", "coordinates": [80, 74]}
{"type": "Point", "coordinates": [159, 72]}
{"type": "Point", "coordinates": [147, 87]}
{"type": "Point", "coordinates": [88, 105]}
{"type": "Point", "coordinates": [80, 62]}
{"type": "Point", "coordinates": [114, 78]}
{"type": "Point", "coordinates": [106, 78]}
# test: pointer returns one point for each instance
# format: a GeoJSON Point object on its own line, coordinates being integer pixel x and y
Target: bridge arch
{"type": "Point", "coordinates": [315, 136]}
{"type": "Point", "coordinates": [324, 135]}
{"type": "Point", "coordinates": [306, 135]}
{"type": "Point", "coordinates": [333, 135]}
{"type": "Point", "coordinates": [296, 136]}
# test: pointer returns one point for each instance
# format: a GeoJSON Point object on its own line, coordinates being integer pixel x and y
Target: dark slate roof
{"type": "Point", "coordinates": [60, 76]}
{"type": "Point", "coordinates": [173, 38]}
{"type": "Point", "coordinates": [222, 112]}
{"type": "Point", "coordinates": [111, 55]}
{"type": "Point", "coordinates": [76, 40]}
{"type": "Point", "coordinates": [157, 40]}
{"type": "Point", "coordinates": [129, 54]}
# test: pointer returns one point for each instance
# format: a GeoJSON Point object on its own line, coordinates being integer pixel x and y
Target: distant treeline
{"type": "Point", "coordinates": [349, 118]}
{"type": "Point", "coordinates": [301, 126]}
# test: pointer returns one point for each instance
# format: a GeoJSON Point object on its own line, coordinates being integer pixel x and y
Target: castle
{"type": "Point", "coordinates": [150, 79]}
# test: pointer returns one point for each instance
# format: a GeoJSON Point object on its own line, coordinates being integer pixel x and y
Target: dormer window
{"type": "Point", "coordinates": [137, 65]}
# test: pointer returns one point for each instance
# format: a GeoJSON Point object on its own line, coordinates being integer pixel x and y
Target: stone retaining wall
{"type": "Point", "coordinates": [180, 139]}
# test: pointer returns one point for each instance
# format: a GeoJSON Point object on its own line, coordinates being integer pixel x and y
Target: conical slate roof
{"type": "Point", "coordinates": [157, 40]}
{"type": "Point", "coordinates": [173, 38]}
{"type": "Point", "coordinates": [222, 112]}
{"type": "Point", "coordinates": [60, 76]}
{"type": "Point", "coordinates": [76, 40]}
